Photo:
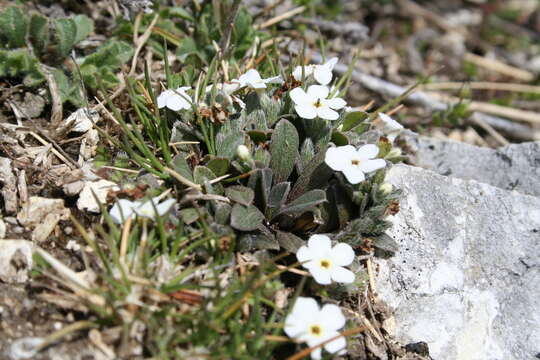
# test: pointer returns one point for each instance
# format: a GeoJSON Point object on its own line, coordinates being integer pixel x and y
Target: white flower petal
{"type": "Point", "coordinates": [354, 174]}
{"type": "Point", "coordinates": [336, 345]}
{"type": "Point", "coordinates": [273, 80]}
{"type": "Point", "coordinates": [368, 166]}
{"type": "Point", "coordinates": [299, 96]}
{"type": "Point", "coordinates": [341, 275]}
{"type": "Point", "coordinates": [342, 254]}
{"type": "Point", "coordinates": [297, 73]}
{"type": "Point", "coordinates": [306, 111]}
{"type": "Point", "coordinates": [257, 85]}
{"type": "Point", "coordinates": [390, 124]}
{"type": "Point", "coordinates": [165, 206]}
{"type": "Point", "coordinates": [330, 64]}
{"type": "Point", "coordinates": [163, 97]}
{"type": "Point", "coordinates": [321, 276]}
{"type": "Point", "coordinates": [122, 210]}
{"type": "Point", "coordinates": [250, 76]}
{"type": "Point", "coordinates": [368, 151]}
{"type": "Point", "coordinates": [336, 103]}
{"type": "Point", "coordinates": [294, 327]}
{"type": "Point", "coordinates": [176, 102]}
{"type": "Point", "coordinates": [331, 317]}
{"type": "Point", "coordinates": [318, 91]}
{"type": "Point", "coordinates": [319, 245]}
{"type": "Point", "coordinates": [317, 353]}
{"type": "Point", "coordinates": [339, 158]}
{"type": "Point", "coordinates": [304, 254]}
{"type": "Point", "coordinates": [305, 309]}
{"type": "Point", "coordinates": [324, 112]}
{"type": "Point", "coordinates": [322, 74]}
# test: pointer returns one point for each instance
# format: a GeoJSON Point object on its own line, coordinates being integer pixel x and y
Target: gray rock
{"type": "Point", "coordinates": [8, 184]}
{"type": "Point", "coordinates": [514, 167]}
{"type": "Point", "coordinates": [466, 279]}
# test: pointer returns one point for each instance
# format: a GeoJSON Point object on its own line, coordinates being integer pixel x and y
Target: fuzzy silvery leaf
{"type": "Point", "coordinates": [257, 241]}
{"type": "Point", "coordinates": [246, 218]}
{"type": "Point", "coordinates": [284, 150]}
{"type": "Point", "coordinates": [262, 156]}
{"type": "Point", "coordinates": [203, 175]}
{"type": "Point", "coordinates": [181, 166]}
{"type": "Point", "coordinates": [257, 119]}
{"type": "Point", "coordinates": [304, 203]}
{"type": "Point", "coordinates": [289, 241]}
{"type": "Point", "coordinates": [84, 25]}
{"type": "Point", "coordinates": [271, 108]}
{"type": "Point", "coordinates": [222, 213]}
{"type": "Point", "coordinates": [278, 195]}
{"type": "Point", "coordinates": [386, 244]}
{"type": "Point", "coordinates": [315, 175]}
{"type": "Point", "coordinates": [189, 215]}
{"type": "Point", "coordinates": [66, 35]}
{"type": "Point", "coordinates": [39, 32]}
{"type": "Point", "coordinates": [240, 194]}
{"type": "Point", "coordinates": [307, 152]}
{"type": "Point", "coordinates": [13, 26]}
{"type": "Point", "coordinates": [228, 139]}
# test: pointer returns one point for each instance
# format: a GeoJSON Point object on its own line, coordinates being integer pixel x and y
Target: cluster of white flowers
{"type": "Point", "coordinates": [315, 103]}
{"type": "Point", "coordinates": [124, 209]}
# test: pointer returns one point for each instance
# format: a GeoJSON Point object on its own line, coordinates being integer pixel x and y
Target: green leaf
{"type": "Point", "coordinates": [181, 166]}
{"type": "Point", "coordinates": [189, 215]}
{"type": "Point", "coordinates": [257, 241]}
{"type": "Point", "coordinates": [284, 150]}
{"type": "Point", "coordinates": [339, 138]}
{"type": "Point", "coordinates": [203, 175]}
{"type": "Point", "coordinates": [39, 32]}
{"type": "Point", "coordinates": [240, 194]}
{"type": "Point", "coordinates": [178, 11]}
{"type": "Point", "coordinates": [66, 35]}
{"type": "Point", "coordinates": [289, 241]}
{"type": "Point", "coordinates": [13, 27]}
{"type": "Point", "coordinates": [219, 166]}
{"type": "Point", "coordinates": [315, 175]}
{"type": "Point", "coordinates": [353, 119]}
{"type": "Point", "coordinates": [278, 195]}
{"type": "Point", "coordinates": [304, 203]}
{"type": "Point", "coordinates": [246, 218]}
{"type": "Point", "coordinates": [222, 213]}
{"type": "Point", "coordinates": [386, 245]}
{"type": "Point", "coordinates": [84, 25]}
{"type": "Point", "coordinates": [306, 154]}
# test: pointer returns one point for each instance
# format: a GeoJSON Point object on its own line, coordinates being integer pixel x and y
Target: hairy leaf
{"type": "Point", "coordinates": [66, 35]}
{"type": "Point", "coordinates": [84, 25]}
{"type": "Point", "coordinates": [246, 218]}
{"type": "Point", "coordinates": [304, 203]}
{"type": "Point", "coordinates": [240, 194]}
{"type": "Point", "coordinates": [289, 241]}
{"type": "Point", "coordinates": [39, 32]}
{"type": "Point", "coordinates": [284, 150]}
{"type": "Point", "coordinates": [353, 119]}
{"type": "Point", "coordinates": [257, 241]}
{"type": "Point", "coordinates": [13, 27]}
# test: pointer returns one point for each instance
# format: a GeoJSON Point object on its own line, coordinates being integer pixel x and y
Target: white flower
{"type": "Point", "coordinates": [314, 103]}
{"type": "Point", "coordinates": [326, 263]}
{"type": "Point", "coordinates": [321, 73]}
{"type": "Point", "coordinates": [253, 79]}
{"type": "Point", "coordinates": [124, 209]}
{"type": "Point", "coordinates": [354, 163]}
{"type": "Point", "coordinates": [175, 99]}
{"type": "Point", "coordinates": [308, 323]}
{"type": "Point", "coordinates": [389, 126]}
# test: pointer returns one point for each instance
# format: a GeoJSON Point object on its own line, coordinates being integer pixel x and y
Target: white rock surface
{"type": "Point", "coordinates": [513, 167]}
{"type": "Point", "coordinates": [15, 260]}
{"type": "Point", "coordinates": [466, 279]}
{"type": "Point", "coordinates": [87, 200]}
{"type": "Point", "coordinates": [37, 208]}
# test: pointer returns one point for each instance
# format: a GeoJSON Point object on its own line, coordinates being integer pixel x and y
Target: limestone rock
{"type": "Point", "coordinates": [37, 208]}
{"type": "Point", "coordinates": [8, 184]}
{"type": "Point", "coordinates": [15, 260]}
{"type": "Point", "coordinates": [87, 200]}
{"type": "Point", "coordinates": [466, 277]}
{"type": "Point", "coordinates": [513, 167]}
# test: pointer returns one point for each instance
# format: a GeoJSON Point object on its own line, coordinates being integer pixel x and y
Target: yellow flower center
{"type": "Point", "coordinates": [355, 162]}
{"type": "Point", "coordinates": [315, 330]}
{"type": "Point", "coordinates": [325, 264]}
{"type": "Point", "coordinates": [318, 103]}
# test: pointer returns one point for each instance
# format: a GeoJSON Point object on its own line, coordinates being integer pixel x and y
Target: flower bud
{"type": "Point", "coordinates": [243, 153]}
{"type": "Point", "coordinates": [386, 188]}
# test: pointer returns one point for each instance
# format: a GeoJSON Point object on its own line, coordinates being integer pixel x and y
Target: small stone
{"type": "Point", "coordinates": [80, 121]}
{"type": "Point", "coordinates": [31, 107]}
{"type": "Point", "coordinates": [36, 210]}
{"type": "Point", "coordinates": [92, 190]}
{"type": "Point", "coordinates": [15, 260]}
{"type": "Point", "coordinates": [44, 229]}
{"type": "Point", "coordinates": [3, 229]}
{"type": "Point", "coordinates": [72, 245]}
{"type": "Point", "coordinates": [8, 184]}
